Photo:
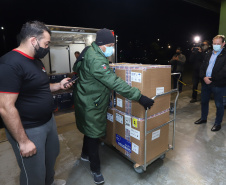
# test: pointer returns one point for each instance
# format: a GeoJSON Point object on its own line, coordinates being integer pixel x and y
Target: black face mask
{"type": "Point", "coordinates": [177, 53]}
{"type": "Point", "coordinates": [41, 52]}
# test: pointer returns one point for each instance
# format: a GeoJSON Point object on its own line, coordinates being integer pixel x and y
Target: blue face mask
{"type": "Point", "coordinates": [109, 51]}
{"type": "Point", "coordinates": [217, 47]}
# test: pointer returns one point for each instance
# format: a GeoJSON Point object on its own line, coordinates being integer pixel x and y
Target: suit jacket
{"type": "Point", "coordinates": [219, 69]}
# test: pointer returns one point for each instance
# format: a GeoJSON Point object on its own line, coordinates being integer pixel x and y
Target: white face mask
{"type": "Point", "coordinates": [217, 47]}
{"type": "Point", "coordinates": [109, 51]}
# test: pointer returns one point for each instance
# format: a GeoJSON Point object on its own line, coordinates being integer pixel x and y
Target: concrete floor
{"type": "Point", "coordinates": [199, 157]}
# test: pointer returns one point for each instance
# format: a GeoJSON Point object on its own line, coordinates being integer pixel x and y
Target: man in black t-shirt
{"type": "Point", "coordinates": [26, 105]}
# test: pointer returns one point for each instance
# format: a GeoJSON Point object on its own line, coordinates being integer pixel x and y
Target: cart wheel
{"type": "Point", "coordinates": [162, 156]}
{"type": "Point", "coordinates": [138, 169]}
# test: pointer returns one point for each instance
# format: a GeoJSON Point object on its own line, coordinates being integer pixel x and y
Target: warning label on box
{"type": "Point", "coordinates": [135, 77]}
{"type": "Point", "coordinates": [119, 118]}
{"type": "Point", "coordinates": [110, 117]}
{"type": "Point", "coordinates": [123, 143]}
{"type": "Point", "coordinates": [135, 122]}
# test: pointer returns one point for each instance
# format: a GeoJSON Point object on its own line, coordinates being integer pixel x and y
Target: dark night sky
{"type": "Point", "coordinates": [173, 21]}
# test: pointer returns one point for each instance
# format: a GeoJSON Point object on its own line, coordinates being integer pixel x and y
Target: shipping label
{"type": "Point", "coordinates": [119, 118]}
{"type": "Point", "coordinates": [127, 127]}
{"type": "Point", "coordinates": [119, 102]}
{"type": "Point", "coordinates": [155, 134]}
{"type": "Point", "coordinates": [159, 90]}
{"type": "Point", "coordinates": [127, 122]}
{"type": "Point", "coordinates": [123, 143]}
{"type": "Point", "coordinates": [135, 148]}
{"type": "Point", "coordinates": [127, 134]}
{"type": "Point", "coordinates": [135, 133]}
{"type": "Point", "coordinates": [110, 117]}
{"type": "Point", "coordinates": [135, 122]}
{"type": "Point", "coordinates": [135, 77]}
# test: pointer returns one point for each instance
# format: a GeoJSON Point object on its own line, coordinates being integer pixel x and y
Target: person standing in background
{"type": "Point", "coordinates": [77, 53]}
{"type": "Point", "coordinates": [178, 60]}
{"type": "Point", "coordinates": [196, 59]}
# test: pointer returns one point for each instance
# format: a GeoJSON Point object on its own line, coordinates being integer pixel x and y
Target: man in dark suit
{"type": "Point", "coordinates": [213, 75]}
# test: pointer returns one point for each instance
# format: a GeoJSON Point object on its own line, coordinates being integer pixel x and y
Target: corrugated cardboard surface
{"type": "Point", "coordinates": [157, 142]}
{"type": "Point", "coordinates": [129, 130]}
{"type": "Point", "coordinates": [110, 129]}
{"type": "Point", "coordinates": [150, 80]}
{"type": "Point", "coordinates": [137, 110]}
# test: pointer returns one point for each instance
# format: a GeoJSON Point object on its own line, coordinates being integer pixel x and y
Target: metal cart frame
{"type": "Point", "coordinates": [142, 168]}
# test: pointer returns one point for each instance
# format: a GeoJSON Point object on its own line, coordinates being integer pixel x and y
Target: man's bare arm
{"type": "Point", "coordinates": [12, 121]}
{"type": "Point", "coordinates": [60, 85]}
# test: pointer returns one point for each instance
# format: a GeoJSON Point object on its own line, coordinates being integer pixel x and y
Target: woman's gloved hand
{"type": "Point", "coordinates": [146, 102]}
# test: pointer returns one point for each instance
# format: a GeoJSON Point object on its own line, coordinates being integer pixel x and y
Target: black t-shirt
{"type": "Point", "coordinates": [26, 76]}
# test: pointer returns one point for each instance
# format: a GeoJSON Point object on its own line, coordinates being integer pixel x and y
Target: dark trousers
{"type": "Point", "coordinates": [175, 80]}
{"type": "Point", "coordinates": [38, 169]}
{"type": "Point", "coordinates": [91, 149]}
{"type": "Point", "coordinates": [218, 93]}
{"type": "Point", "coordinates": [195, 81]}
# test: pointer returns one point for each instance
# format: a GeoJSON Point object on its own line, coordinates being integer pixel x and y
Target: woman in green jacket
{"type": "Point", "coordinates": [91, 96]}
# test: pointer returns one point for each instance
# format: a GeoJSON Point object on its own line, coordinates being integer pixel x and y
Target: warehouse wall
{"type": "Point", "coordinates": [222, 27]}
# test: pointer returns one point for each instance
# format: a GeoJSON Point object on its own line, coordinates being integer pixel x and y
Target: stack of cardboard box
{"type": "Point", "coordinates": [126, 123]}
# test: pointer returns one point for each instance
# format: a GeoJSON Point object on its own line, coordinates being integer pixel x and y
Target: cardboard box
{"type": "Point", "coordinates": [129, 133]}
{"type": "Point", "coordinates": [137, 110]}
{"type": "Point", "coordinates": [151, 80]}
{"type": "Point", "coordinates": [110, 129]}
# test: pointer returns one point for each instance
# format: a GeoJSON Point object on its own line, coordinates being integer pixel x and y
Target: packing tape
{"type": "Point", "coordinates": [142, 119]}
{"type": "Point", "coordinates": [138, 67]}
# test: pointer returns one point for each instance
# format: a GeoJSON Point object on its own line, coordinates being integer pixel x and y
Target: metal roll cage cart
{"type": "Point", "coordinates": [142, 168]}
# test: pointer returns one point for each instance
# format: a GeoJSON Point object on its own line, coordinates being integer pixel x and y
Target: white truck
{"type": "Point", "coordinates": [64, 42]}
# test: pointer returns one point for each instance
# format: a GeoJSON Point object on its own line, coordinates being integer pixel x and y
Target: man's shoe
{"type": "Point", "coordinates": [193, 100]}
{"type": "Point", "coordinates": [200, 121]}
{"type": "Point", "coordinates": [216, 128]}
{"type": "Point", "coordinates": [58, 182]}
{"type": "Point", "coordinates": [85, 157]}
{"type": "Point", "coordinates": [98, 177]}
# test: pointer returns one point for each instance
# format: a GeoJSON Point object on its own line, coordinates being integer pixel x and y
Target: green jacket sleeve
{"type": "Point", "coordinates": [76, 66]}
{"type": "Point", "coordinates": [101, 71]}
